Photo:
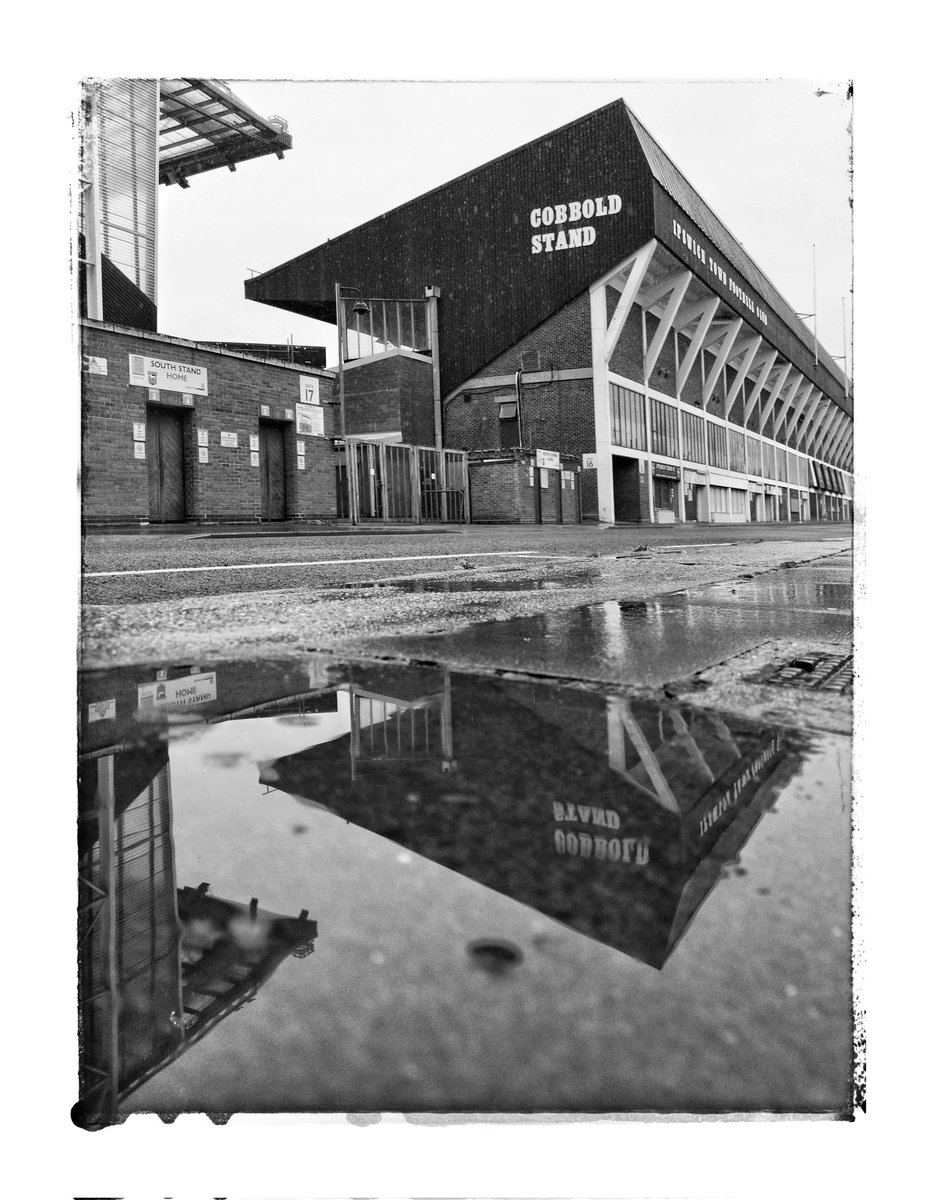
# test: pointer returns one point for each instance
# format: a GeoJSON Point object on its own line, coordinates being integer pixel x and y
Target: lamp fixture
{"type": "Point", "coordinates": [361, 306]}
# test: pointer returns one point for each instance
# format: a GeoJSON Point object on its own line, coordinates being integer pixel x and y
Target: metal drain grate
{"type": "Point", "coordinates": [818, 672]}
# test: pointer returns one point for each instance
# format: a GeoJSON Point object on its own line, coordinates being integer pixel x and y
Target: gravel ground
{"type": "Point", "coordinates": [280, 609]}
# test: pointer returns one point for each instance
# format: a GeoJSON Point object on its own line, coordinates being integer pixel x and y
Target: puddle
{"type": "Point", "coordinates": [339, 887]}
{"type": "Point", "coordinates": [463, 583]}
{"type": "Point", "coordinates": [649, 642]}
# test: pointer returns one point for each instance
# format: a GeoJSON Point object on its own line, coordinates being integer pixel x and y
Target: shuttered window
{"type": "Point", "coordinates": [736, 450]}
{"type": "Point", "coordinates": [754, 455]}
{"type": "Point", "coordinates": [694, 437]}
{"type": "Point", "coordinates": [718, 447]}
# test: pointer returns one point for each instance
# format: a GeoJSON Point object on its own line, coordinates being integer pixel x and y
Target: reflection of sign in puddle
{"type": "Point", "coordinates": [178, 693]}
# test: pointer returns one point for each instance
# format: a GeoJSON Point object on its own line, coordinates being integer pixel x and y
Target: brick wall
{"type": "Point", "coordinates": [391, 394]}
{"type": "Point", "coordinates": [115, 484]}
{"type": "Point", "coordinates": [505, 488]}
{"type": "Point", "coordinates": [416, 401]}
{"type": "Point", "coordinates": [627, 357]}
{"type": "Point", "coordinates": [562, 342]}
{"type": "Point", "coordinates": [556, 415]}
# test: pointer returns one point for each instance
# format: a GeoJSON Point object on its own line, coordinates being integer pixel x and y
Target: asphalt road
{"type": "Point", "coordinates": [275, 559]}
{"type": "Point", "coordinates": [155, 596]}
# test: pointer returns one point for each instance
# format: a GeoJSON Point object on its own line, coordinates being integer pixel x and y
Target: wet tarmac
{"type": "Point", "coordinates": [317, 886]}
{"type": "Point", "coordinates": [650, 642]}
{"type": "Point", "coordinates": [457, 583]}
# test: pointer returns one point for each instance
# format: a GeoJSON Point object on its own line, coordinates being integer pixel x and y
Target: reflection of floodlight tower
{"type": "Point", "coordinates": [160, 966]}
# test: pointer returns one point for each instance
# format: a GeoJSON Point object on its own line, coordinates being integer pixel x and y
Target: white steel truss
{"type": "Point", "coordinates": [769, 360]}
{"type": "Point", "coordinates": [728, 336]}
{"type": "Point", "coordinates": [699, 315]}
{"type": "Point", "coordinates": [637, 268]}
{"type": "Point", "coordinates": [775, 392]}
{"type": "Point", "coordinates": [789, 398]}
{"type": "Point", "coordinates": [677, 287]}
{"type": "Point", "coordinates": [750, 348]}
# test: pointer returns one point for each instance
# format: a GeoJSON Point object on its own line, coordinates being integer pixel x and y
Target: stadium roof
{"type": "Point", "coordinates": [679, 188]}
{"type": "Point", "coordinates": [203, 126]}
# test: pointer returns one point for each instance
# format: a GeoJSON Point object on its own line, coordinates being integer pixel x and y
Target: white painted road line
{"type": "Point", "coordinates": [319, 562]}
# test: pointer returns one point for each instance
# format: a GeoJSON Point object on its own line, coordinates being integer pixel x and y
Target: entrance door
{"type": "Point", "coordinates": [690, 502]}
{"type": "Point", "coordinates": [272, 470]}
{"type": "Point", "coordinates": [165, 451]}
{"type": "Point", "coordinates": [625, 488]}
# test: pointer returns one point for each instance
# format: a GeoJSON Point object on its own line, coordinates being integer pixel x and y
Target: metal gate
{"type": "Point", "coordinates": [417, 485]}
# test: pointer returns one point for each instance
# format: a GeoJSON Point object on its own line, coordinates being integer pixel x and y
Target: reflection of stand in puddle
{"type": "Point", "coordinates": [386, 730]}
{"type": "Point", "coordinates": [160, 966]}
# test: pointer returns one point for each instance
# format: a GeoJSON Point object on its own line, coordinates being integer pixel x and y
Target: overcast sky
{"type": "Point", "coordinates": [770, 157]}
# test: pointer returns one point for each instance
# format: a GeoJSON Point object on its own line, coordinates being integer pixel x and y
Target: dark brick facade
{"type": "Point", "coordinates": [507, 488]}
{"type": "Point", "coordinates": [394, 393]}
{"type": "Point", "coordinates": [115, 484]}
{"type": "Point", "coordinates": [557, 414]}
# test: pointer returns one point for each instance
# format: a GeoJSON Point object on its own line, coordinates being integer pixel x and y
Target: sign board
{"type": "Point", "coordinates": [229, 440]}
{"type": "Point", "coordinates": [185, 692]}
{"type": "Point", "coordinates": [139, 431]}
{"type": "Point", "coordinates": [264, 410]}
{"type": "Point", "coordinates": [547, 458]}
{"type": "Point", "coordinates": [301, 462]}
{"type": "Point", "coordinates": [254, 458]}
{"type": "Point", "coordinates": [300, 449]}
{"type": "Point", "coordinates": [289, 414]}
{"type": "Point", "coordinates": [103, 710]}
{"type": "Point", "coordinates": [165, 373]}
{"type": "Point", "coordinates": [95, 366]}
{"type": "Point", "coordinates": [139, 449]}
{"type": "Point", "coordinates": [589, 462]}
{"type": "Point", "coordinates": [543, 475]}
{"type": "Point", "coordinates": [202, 454]}
{"type": "Point", "coordinates": [202, 437]}
{"type": "Point", "coordinates": [309, 388]}
{"type": "Point", "coordinates": [663, 471]}
{"type": "Point", "coordinates": [187, 400]}
{"type": "Point", "coordinates": [309, 420]}
{"type": "Point", "coordinates": [254, 441]}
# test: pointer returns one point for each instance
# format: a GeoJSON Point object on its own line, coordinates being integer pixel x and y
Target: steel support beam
{"type": "Point", "coordinates": [825, 420]}
{"type": "Point", "coordinates": [677, 286]}
{"type": "Point", "coordinates": [830, 425]}
{"type": "Point", "coordinates": [832, 447]}
{"type": "Point", "coordinates": [804, 418]}
{"type": "Point", "coordinates": [818, 427]}
{"type": "Point", "coordinates": [636, 275]}
{"type": "Point", "coordinates": [773, 395]}
{"type": "Point", "coordinates": [750, 403]}
{"type": "Point", "coordinates": [730, 333]}
{"type": "Point", "coordinates": [799, 398]}
{"type": "Point", "coordinates": [751, 349]}
{"type": "Point", "coordinates": [792, 390]}
{"type": "Point", "coordinates": [702, 314]}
